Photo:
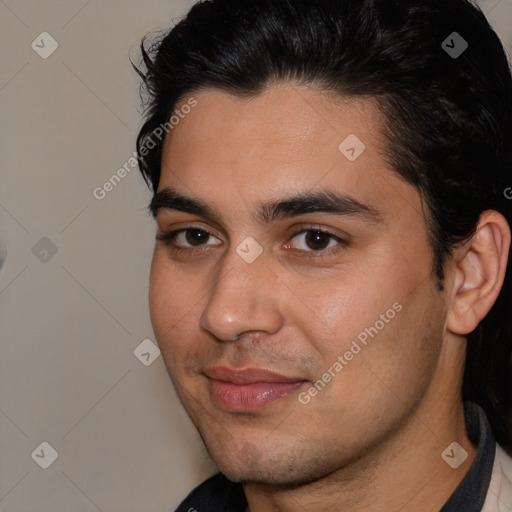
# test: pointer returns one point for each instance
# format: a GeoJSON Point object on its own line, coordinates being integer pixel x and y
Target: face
{"type": "Point", "coordinates": [291, 289]}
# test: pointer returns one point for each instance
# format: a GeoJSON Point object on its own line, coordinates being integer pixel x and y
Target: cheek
{"type": "Point", "coordinates": [172, 303]}
{"type": "Point", "coordinates": [331, 312]}
{"type": "Point", "coordinates": [172, 293]}
{"type": "Point", "coordinates": [376, 321]}
{"type": "Point", "coordinates": [392, 359]}
{"type": "Point", "coordinates": [161, 289]}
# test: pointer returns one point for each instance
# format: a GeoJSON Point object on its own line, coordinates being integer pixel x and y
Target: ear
{"type": "Point", "coordinates": [479, 272]}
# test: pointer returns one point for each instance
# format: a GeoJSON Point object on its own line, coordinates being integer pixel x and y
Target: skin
{"type": "Point", "coordinates": [372, 439]}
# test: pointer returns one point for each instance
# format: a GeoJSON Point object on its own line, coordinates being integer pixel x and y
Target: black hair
{"type": "Point", "coordinates": [447, 117]}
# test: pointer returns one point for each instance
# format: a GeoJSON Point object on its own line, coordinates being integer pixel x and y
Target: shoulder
{"type": "Point", "coordinates": [499, 497]}
{"type": "Point", "coordinates": [216, 494]}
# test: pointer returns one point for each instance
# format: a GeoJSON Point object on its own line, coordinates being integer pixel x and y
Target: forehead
{"type": "Point", "coordinates": [233, 152]}
{"type": "Point", "coordinates": [286, 122]}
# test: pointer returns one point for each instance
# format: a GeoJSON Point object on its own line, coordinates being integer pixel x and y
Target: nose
{"type": "Point", "coordinates": [242, 300]}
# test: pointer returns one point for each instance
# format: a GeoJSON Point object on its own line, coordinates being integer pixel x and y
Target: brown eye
{"type": "Point", "coordinates": [196, 237]}
{"type": "Point", "coordinates": [188, 239]}
{"type": "Point", "coordinates": [317, 240]}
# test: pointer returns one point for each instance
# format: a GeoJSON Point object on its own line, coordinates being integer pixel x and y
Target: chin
{"type": "Point", "coordinates": [249, 465]}
{"type": "Point", "coordinates": [270, 477]}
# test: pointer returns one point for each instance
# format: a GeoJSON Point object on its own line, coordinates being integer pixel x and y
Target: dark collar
{"type": "Point", "coordinates": [221, 495]}
{"type": "Point", "coordinates": [217, 494]}
{"type": "Point", "coordinates": [471, 493]}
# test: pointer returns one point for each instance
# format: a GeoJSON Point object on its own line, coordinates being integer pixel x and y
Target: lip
{"type": "Point", "coordinates": [249, 389]}
{"type": "Point", "coordinates": [247, 375]}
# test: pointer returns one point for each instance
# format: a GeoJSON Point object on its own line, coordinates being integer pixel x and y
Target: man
{"type": "Point", "coordinates": [329, 286]}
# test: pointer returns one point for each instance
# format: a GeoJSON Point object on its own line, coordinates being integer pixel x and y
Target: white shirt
{"type": "Point", "coordinates": [499, 495]}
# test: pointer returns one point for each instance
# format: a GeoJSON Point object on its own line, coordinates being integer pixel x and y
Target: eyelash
{"type": "Point", "coordinates": [169, 237]}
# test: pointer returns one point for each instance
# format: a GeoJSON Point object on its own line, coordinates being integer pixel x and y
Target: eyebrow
{"type": "Point", "coordinates": [321, 201]}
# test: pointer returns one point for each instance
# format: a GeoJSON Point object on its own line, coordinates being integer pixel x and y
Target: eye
{"type": "Point", "coordinates": [189, 237]}
{"type": "Point", "coordinates": [315, 240]}
{"type": "Point", "coordinates": [311, 240]}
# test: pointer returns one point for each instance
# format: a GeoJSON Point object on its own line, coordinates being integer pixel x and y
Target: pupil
{"type": "Point", "coordinates": [317, 238]}
{"type": "Point", "coordinates": [196, 236]}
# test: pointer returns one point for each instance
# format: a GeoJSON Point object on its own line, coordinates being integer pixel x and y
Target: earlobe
{"type": "Point", "coordinates": [479, 273]}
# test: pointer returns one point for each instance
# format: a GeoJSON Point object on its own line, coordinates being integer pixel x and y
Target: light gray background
{"type": "Point", "coordinates": [70, 324]}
